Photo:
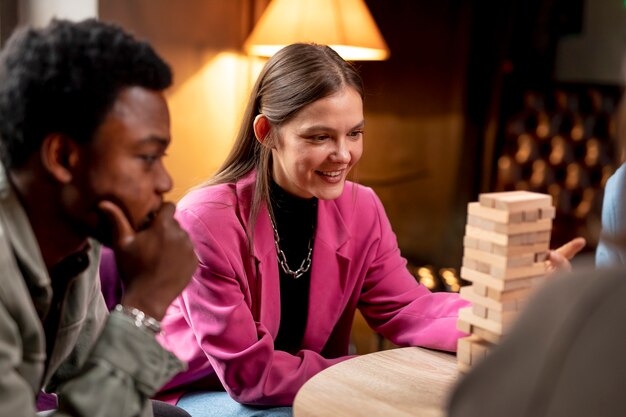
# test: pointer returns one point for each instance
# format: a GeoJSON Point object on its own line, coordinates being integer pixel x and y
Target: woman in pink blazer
{"type": "Point", "coordinates": [289, 249]}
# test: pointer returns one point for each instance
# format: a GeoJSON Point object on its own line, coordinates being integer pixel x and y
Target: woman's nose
{"type": "Point", "coordinates": [341, 152]}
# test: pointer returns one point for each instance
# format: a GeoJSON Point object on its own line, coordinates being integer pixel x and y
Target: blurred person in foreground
{"type": "Point", "coordinates": [564, 357]}
{"type": "Point", "coordinates": [83, 129]}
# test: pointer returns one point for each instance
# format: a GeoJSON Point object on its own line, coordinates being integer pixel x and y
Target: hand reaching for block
{"type": "Point", "coordinates": [559, 259]}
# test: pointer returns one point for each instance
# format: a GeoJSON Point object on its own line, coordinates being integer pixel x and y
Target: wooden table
{"type": "Point", "coordinates": [399, 382]}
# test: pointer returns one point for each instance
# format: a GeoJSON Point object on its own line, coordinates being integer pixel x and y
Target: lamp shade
{"type": "Point", "coordinates": [345, 25]}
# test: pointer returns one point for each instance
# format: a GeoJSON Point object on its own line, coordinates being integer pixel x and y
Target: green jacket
{"type": "Point", "coordinates": [101, 365]}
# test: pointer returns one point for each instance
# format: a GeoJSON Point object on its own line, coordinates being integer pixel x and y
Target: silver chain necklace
{"type": "Point", "coordinates": [282, 259]}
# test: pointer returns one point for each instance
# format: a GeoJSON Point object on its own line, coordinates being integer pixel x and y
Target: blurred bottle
{"type": "Point", "coordinates": [527, 149]}
{"type": "Point", "coordinates": [541, 177]}
{"type": "Point", "coordinates": [595, 159]}
{"type": "Point", "coordinates": [561, 154]}
{"type": "Point", "coordinates": [565, 119]}
{"type": "Point", "coordinates": [600, 121]}
{"type": "Point", "coordinates": [532, 119]}
{"type": "Point", "coordinates": [509, 175]}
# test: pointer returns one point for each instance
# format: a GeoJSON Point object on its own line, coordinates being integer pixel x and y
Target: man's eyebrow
{"type": "Point", "coordinates": [159, 140]}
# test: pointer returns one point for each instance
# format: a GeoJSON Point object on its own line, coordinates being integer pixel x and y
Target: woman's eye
{"type": "Point", "coordinates": [355, 133]}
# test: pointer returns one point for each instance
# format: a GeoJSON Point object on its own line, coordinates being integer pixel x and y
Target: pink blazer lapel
{"type": "Point", "coordinates": [265, 286]}
{"type": "Point", "coordinates": [329, 275]}
{"type": "Point", "coordinates": [268, 277]}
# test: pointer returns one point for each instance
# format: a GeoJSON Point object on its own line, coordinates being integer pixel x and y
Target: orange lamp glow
{"type": "Point", "coordinates": [345, 25]}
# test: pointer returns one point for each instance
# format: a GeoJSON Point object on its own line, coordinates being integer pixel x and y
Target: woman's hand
{"type": "Point", "coordinates": [559, 259]}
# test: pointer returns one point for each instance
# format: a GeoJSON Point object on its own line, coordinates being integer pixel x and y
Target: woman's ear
{"type": "Point", "coordinates": [59, 155]}
{"type": "Point", "coordinates": [261, 128]}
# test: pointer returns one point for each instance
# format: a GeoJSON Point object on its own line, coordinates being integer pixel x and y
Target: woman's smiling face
{"type": "Point", "coordinates": [316, 149]}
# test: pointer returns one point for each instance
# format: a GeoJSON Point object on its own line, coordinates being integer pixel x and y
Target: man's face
{"type": "Point", "coordinates": [124, 163]}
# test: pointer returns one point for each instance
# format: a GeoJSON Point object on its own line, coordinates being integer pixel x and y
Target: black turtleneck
{"type": "Point", "coordinates": [295, 221]}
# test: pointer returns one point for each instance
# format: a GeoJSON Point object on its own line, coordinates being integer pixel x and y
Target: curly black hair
{"type": "Point", "coordinates": [64, 78]}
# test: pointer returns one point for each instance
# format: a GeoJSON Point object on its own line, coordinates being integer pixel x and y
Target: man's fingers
{"type": "Point", "coordinates": [167, 210]}
{"type": "Point", "coordinates": [123, 232]}
{"type": "Point", "coordinates": [571, 248]}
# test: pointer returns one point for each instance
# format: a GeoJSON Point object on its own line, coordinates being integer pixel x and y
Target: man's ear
{"type": "Point", "coordinates": [59, 155]}
{"type": "Point", "coordinates": [261, 127]}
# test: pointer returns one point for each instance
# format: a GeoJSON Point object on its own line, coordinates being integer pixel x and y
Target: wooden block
{"type": "Point", "coordinates": [522, 200]}
{"type": "Point", "coordinates": [521, 294]}
{"type": "Point", "coordinates": [468, 293]}
{"type": "Point", "coordinates": [470, 242]}
{"type": "Point", "coordinates": [463, 368]}
{"type": "Point", "coordinates": [530, 238]}
{"type": "Point", "coordinates": [476, 265]}
{"type": "Point", "coordinates": [514, 295]}
{"type": "Point", "coordinates": [509, 228]}
{"type": "Point", "coordinates": [533, 270]}
{"type": "Point", "coordinates": [480, 311]}
{"type": "Point", "coordinates": [486, 335]}
{"type": "Point", "coordinates": [475, 221]}
{"type": "Point", "coordinates": [479, 289]}
{"type": "Point", "coordinates": [524, 259]}
{"type": "Point", "coordinates": [504, 317]}
{"type": "Point", "coordinates": [472, 349]}
{"type": "Point", "coordinates": [541, 256]}
{"type": "Point", "coordinates": [543, 236]}
{"type": "Point", "coordinates": [480, 348]}
{"type": "Point", "coordinates": [547, 213]}
{"type": "Point", "coordinates": [514, 200]}
{"type": "Point", "coordinates": [516, 250]}
{"type": "Point", "coordinates": [467, 315]}
{"type": "Point", "coordinates": [463, 326]}
{"type": "Point", "coordinates": [516, 217]}
{"type": "Point", "coordinates": [487, 199]}
{"type": "Point", "coordinates": [501, 216]}
{"type": "Point", "coordinates": [485, 246]}
{"type": "Point", "coordinates": [481, 234]}
{"type": "Point", "coordinates": [464, 349]}
{"type": "Point", "coordinates": [531, 215]}
{"type": "Point", "coordinates": [543, 225]}
{"type": "Point", "coordinates": [469, 263]}
{"type": "Point", "coordinates": [488, 281]}
{"type": "Point", "coordinates": [509, 252]}
{"type": "Point", "coordinates": [507, 240]}
{"type": "Point", "coordinates": [498, 284]}
{"type": "Point", "coordinates": [482, 333]}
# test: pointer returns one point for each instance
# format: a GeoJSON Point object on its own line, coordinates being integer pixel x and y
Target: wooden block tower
{"type": "Point", "coordinates": [506, 243]}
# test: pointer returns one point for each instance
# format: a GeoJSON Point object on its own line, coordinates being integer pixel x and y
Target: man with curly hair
{"type": "Point", "coordinates": [84, 127]}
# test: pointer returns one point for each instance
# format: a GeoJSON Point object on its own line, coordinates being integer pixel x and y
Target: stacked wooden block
{"type": "Point", "coordinates": [506, 243]}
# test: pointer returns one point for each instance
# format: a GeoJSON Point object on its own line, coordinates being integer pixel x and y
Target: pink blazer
{"type": "Point", "coordinates": [225, 322]}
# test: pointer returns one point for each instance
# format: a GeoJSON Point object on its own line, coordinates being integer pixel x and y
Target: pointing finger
{"type": "Point", "coordinates": [571, 248]}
